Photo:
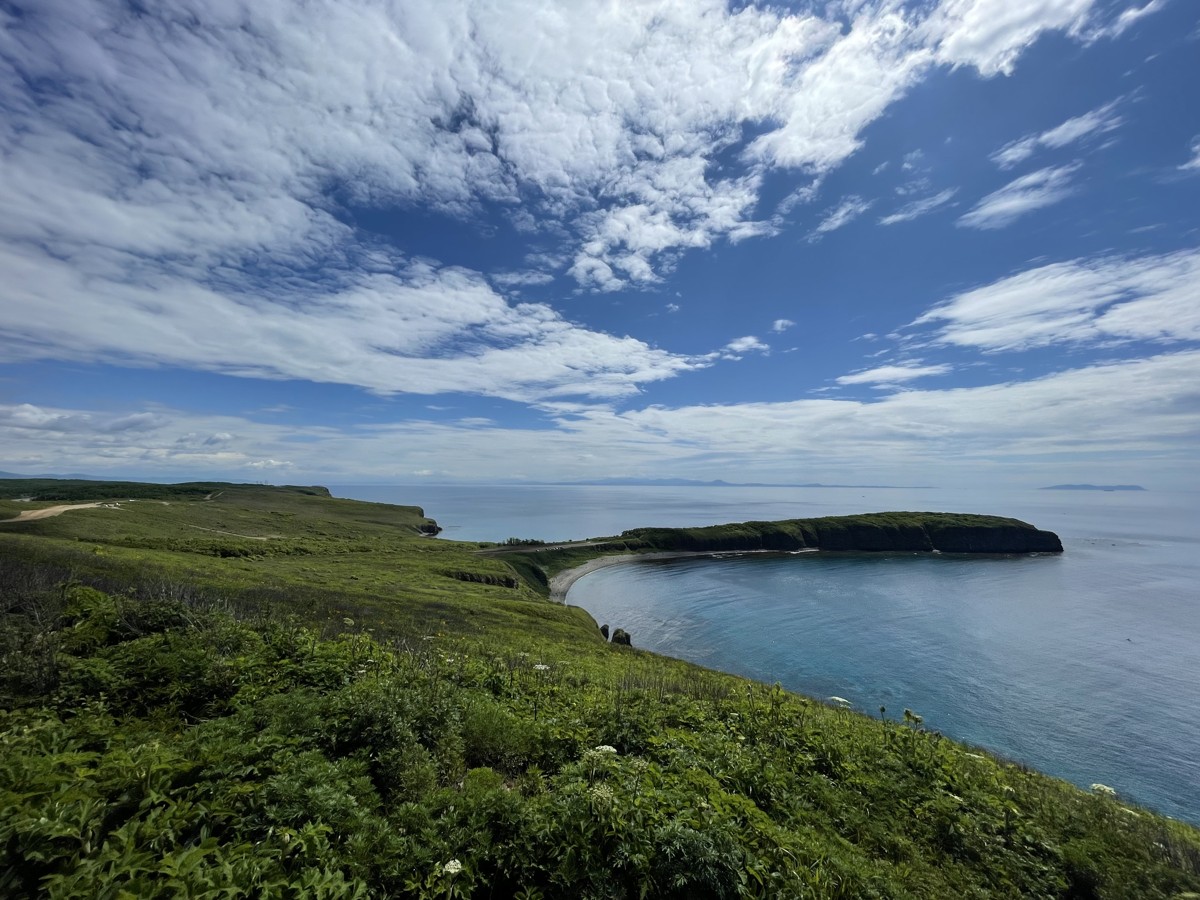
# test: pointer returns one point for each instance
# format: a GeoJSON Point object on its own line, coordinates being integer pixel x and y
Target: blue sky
{"type": "Point", "coordinates": [905, 242]}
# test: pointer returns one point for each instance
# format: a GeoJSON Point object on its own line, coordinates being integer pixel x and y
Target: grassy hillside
{"type": "Point", "coordinates": [276, 693]}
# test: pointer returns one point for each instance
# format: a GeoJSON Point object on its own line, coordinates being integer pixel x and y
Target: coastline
{"type": "Point", "coordinates": [561, 583]}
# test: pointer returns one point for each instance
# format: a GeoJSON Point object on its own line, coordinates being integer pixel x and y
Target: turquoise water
{"type": "Point", "coordinates": [1085, 665]}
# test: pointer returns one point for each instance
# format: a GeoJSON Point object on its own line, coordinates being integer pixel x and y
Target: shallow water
{"type": "Point", "coordinates": [1085, 665]}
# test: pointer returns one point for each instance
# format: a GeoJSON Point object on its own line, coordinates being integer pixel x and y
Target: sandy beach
{"type": "Point", "coordinates": [561, 583]}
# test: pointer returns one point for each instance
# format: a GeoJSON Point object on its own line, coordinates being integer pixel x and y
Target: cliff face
{"type": "Point", "coordinates": [877, 532]}
{"type": "Point", "coordinates": [1000, 539]}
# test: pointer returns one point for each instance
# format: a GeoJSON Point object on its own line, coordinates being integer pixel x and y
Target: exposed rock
{"type": "Point", "coordinates": [621, 636]}
{"type": "Point", "coordinates": [604, 630]}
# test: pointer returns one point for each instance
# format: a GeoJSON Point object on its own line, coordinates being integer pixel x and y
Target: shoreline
{"type": "Point", "coordinates": [561, 583]}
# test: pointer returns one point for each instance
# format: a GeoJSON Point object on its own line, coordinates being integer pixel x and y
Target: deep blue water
{"type": "Point", "coordinates": [1085, 665]}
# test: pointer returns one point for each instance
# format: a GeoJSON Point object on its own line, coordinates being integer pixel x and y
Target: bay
{"type": "Point", "coordinates": [1084, 665]}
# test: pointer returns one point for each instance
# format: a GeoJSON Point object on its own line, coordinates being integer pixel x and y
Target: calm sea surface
{"type": "Point", "coordinates": [1085, 665]}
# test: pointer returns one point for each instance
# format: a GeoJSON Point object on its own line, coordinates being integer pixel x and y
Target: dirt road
{"type": "Point", "coordinates": [30, 514]}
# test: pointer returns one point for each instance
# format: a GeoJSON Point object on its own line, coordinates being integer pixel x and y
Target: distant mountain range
{"type": "Point", "coordinates": [67, 477]}
{"type": "Point", "coordinates": [1093, 487]}
{"type": "Point", "coordinates": [688, 482]}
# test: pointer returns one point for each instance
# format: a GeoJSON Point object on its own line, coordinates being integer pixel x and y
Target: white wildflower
{"type": "Point", "coordinates": [453, 867]}
{"type": "Point", "coordinates": [605, 748]}
{"type": "Point", "coordinates": [541, 667]}
{"type": "Point", "coordinates": [602, 792]}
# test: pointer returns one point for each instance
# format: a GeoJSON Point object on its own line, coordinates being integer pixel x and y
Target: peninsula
{"type": "Point", "coordinates": [552, 568]}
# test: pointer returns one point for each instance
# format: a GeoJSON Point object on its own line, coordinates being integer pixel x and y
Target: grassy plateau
{"type": "Point", "coordinates": [217, 690]}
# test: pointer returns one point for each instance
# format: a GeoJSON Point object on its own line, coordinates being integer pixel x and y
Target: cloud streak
{"type": "Point", "coordinates": [840, 216]}
{"type": "Point", "coordinates": [1019, 197]}
{"type": "Point", "coordinates": [894, 374]}
{"type": "Point", "coordinates": [918, 208]}
{"type": "Point", "coordinates": [1107, 301]}
{"type": "Point", "coordinates": [1101, 120]}
{"type": "Point", "coordinates": [1193, 164]}
{"type": "Point", "coordinates": [421, 329]}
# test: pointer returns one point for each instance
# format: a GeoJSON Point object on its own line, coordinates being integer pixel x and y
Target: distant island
{"type": "Point", "coordinates": [690, 482]}
{"type": "Point", "coordinates": [1093, 487]}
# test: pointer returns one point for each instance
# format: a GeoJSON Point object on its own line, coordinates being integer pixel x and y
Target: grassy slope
{"type": "Point", "coordinates": [292, 549]}
{"type": "Point", "coordinates": [333, 711]}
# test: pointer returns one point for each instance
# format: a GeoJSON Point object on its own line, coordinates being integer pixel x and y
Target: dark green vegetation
{"type": "Point", "coordinates": [893, 531]}
{"type": "Point", "coordinates": [350, 709]}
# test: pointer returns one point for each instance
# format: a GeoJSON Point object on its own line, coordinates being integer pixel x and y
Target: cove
{"type": "Point", "coordinates": [1016, 654]}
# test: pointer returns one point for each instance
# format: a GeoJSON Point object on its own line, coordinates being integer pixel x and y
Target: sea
{"type": "Point", "coordinates": [1084, 665]}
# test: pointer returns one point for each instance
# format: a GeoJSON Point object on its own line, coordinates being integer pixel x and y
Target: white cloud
{"type": "Point", "coordinates": [203, 140]}
{"type": "Point", "coordinates": [181, 180]}
{"type": "Point", "coordinates": [1125, 20]}
{"type": "Point", "coordinates": [780, 325]}
{"type": "Point", "coordinates": [919, 208]}
{"type": "Point", "coordinates": [1106, 301]}
{"type": "Point", "coordinates": [798, 197]}
{"type": "Point", "coordinates": [1024, 195]}
{"type": "Point", "coordinates": [843, 214]}
{"type": "Point", "coordinates": [1099, 121]}
{"type": "Point", "coordinates": [836, 94]}
{"type": "Point", "coordinates": [739, 346]}
{"type": "Point", "coordinates": [1193, 164]}
{"type": "Point", "coordinates": [1148, 407]}
{"type": "Point", "coordinates": [270, 464]}
{"type": "Point", "coordinates": [896, 374]}
{"type": "Point", "coordinates": [991, 34]}
{"type": "Point", "coordinates": [420, 329]}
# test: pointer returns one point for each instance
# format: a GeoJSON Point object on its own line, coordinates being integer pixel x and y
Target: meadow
{"type": "Point", "coordinates": [234, 690]}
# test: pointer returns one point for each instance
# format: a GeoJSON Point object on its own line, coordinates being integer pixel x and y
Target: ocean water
{"type": "Point", "coordinates": [1084, 665]}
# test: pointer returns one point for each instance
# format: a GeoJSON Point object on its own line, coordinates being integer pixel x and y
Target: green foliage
{"type": "Point", "coordinates": [895, 531]}
{"type": "Point", "coordinates": [168, 739]}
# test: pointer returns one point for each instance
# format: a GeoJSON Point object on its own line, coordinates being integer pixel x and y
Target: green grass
{"type": "Point", "coordinates": [336, 712]}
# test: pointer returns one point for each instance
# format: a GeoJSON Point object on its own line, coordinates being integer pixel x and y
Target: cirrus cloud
{"type": "Point", "coordinates": [1020, 197]}
{"type": "Point", "coordinates": [1107, 301]}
